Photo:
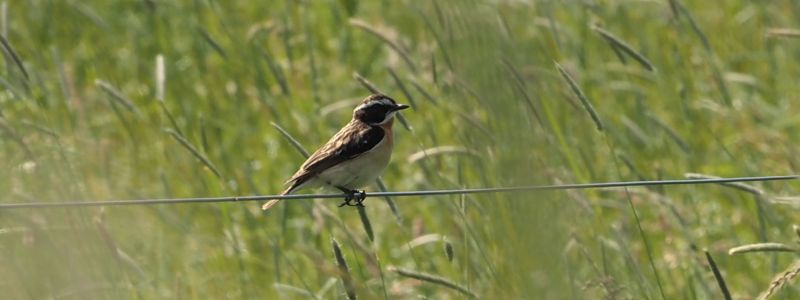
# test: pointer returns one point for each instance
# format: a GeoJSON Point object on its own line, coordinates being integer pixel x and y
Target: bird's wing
{"type": "Point", "coordinates": [351, 141]}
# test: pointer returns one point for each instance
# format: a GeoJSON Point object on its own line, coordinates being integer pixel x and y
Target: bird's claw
{"type": "Point", "coordinates": [354, 195]}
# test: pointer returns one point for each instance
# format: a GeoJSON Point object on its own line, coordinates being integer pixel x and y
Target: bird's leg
{"type": "Point", "coordinates": [347, 196]}
{"type": "Point", "coordinates": [352, 195]}
{"type": "Point", "coordinates": [360, 196]}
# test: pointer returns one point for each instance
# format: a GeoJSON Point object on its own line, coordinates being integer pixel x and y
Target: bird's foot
{"type": "Point", "coordinates": [352, 196]}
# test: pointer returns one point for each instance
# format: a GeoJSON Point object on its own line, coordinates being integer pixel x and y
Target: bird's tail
{"type": "Point", "coordinates": [269, 204]}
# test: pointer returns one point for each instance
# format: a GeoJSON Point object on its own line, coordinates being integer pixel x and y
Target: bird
{"type": "Point", "coordinates": [354, 157]}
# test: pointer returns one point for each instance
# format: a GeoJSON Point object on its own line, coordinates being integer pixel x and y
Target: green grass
{"type": "Point", "coordinates": [676, 87]}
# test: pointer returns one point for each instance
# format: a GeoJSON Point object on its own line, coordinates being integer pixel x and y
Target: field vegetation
{"type": "Point", "coordinates": [161, 99]}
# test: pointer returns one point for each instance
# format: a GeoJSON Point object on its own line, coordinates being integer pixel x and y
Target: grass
{"type": "Point", "coordinates": [153, 99]}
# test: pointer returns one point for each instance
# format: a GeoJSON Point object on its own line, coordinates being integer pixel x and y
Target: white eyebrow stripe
{"type": "Point", "coordinates": [383, 101]}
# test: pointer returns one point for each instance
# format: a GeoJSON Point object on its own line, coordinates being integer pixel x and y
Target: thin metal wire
{"type": "Point", "coordinates": [396, 194]}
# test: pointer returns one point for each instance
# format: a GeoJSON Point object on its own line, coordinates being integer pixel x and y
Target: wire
{"type": "Point", "coordinates": [395, 194]}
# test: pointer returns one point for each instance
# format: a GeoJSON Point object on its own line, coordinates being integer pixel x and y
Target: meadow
{"type": "Point", "coordinates": [161, 99]}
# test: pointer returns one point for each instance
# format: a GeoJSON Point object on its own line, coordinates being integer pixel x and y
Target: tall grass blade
{"type": "Point", "coordinates": [297, 146]}
{"type": "Point", "coordinates": [196, 153]}
{"type": "Point", "coordinates": [715, 70]}
{"type": "Point", "coordinates": [211, 42]}
{"type": "Point", "coordinates": [312, 62]}
{"type": "Point", "coordinates": [438, 280]}
{"type": "Point", "coordinates": [302, 279]}
{"type": "Point", "coordinates": [402, 87]}
{"type": "Point", "coordinates": [170, 117]}
{"type": "Point", "coordinates": [648, 248]}
{"type": "Point", "coordinates": [386, 39]}
{"type": "Point", "coordinates": [276, 71]}
{"type": "Point", "coordinates": [619, 44]}
{"type": "Point", "coordinates": [422, 91]}
{"type": "Point", "coordinates": [116, 95]}
{"type": "Point", "coordinates": [581, 96]}
{"type": "Point", "coordinates": [362, 214]}
{"type": "Point", "coordinates": [66, 89]}
{"type": "Point", "coordinates": [389, 201]}
{"type": "Point", "coordinates": [448, 250]}
{"type": "Point", "coordinates": [14, 136]}
{"type": "Point", "coordinates": [718, 276]}
{"type": "Point", "coordinates": [4, 19]}
{"type": "Point", "coordinates": [671, 133]}
{"type": "Point", "coordinates": [9, 51]}
{"type": "Point", "coordinates": [519, 83]}
{"type": "Point", "coordinates": [16, 94]}
{"type": "Point", "coordinates": [436, 36]}
{"type": "Point", "coordinates": [673, 7]}
{"type": "Point", "coordinates": [344, 271]}
{"type": "Point", "coordinates": [367, 84]}
{"type": "Point", "coordinates": [4, 32]}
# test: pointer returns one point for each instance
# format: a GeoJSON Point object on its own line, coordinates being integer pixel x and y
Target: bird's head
{"type": "Point", "coordinates": [377, 109]}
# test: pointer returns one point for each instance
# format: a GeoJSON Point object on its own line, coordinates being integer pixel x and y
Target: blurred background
{"type": "Point", "coordinates": [155, 99]}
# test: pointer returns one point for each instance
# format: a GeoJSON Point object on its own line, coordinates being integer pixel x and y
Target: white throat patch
{"type": "Point", "coordinates": [388, 118]}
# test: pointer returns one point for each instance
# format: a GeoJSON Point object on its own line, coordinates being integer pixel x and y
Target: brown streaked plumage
{"type": "Point", "coordinates": [355, 156]}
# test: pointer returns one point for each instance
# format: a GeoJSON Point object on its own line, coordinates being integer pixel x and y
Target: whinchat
{"type": "Point", "coordinates": [355, 156]}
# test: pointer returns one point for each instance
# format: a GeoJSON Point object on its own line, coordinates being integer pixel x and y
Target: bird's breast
{"type": "Point", "coordinates": [363, 169]}
{"type": "Point", "coordinates": [388, 134]}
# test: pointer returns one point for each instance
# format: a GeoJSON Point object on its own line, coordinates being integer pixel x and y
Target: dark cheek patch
{"type": "Point", "coordinates": [372, 115]}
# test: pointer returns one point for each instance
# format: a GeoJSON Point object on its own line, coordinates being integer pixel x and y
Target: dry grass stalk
{"type": "Point", "coordinates": [783, 33]}
{"type": "Point", "coordinates": [762, 247]}
{"type": "Point", "coordinates": [160, 77]}
{"type": "Point", "coordinates": [737, 185]}
{"type": "Point", "coordinates": [440, 150]}
{"type": "Point", "coordinates": [434, 279]}
{"type": "Point", "coordinates": [781, 280]}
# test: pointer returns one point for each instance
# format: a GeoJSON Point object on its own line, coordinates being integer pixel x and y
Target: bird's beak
{"type": "Point", "coordinates": [400, 107]}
